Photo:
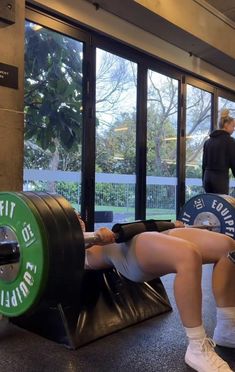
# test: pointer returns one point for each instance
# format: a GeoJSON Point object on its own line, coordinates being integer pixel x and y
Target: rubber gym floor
{"type": "Point", "coordinates": [156, 345]}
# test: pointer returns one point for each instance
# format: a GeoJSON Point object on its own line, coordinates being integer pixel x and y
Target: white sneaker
{"type": "Point", "coordinates": [224, 337]}
{"type": "Point", "coordinates": [201, 356]}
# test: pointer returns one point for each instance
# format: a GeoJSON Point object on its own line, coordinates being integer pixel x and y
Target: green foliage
{"type": "Point", "coordinates": [116, 148]}
{"type": "Point", "coordinates": [116, 195]}
{"type": "Point", "coordinates": [53, 90]}
{"type": "Point", "coordinates": [70, 190]}
{"type": "Point", "coordinates": [35, 157]}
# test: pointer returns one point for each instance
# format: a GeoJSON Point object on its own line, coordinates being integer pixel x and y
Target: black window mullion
{"type": "Point", "coordinates": [181, 147]}
{"type": "Point", "coordinates": [141, 140]}
{"type": "Point", "coordinates": [88, 148]}
{"type": "Point", "coordinates": [214, 110]}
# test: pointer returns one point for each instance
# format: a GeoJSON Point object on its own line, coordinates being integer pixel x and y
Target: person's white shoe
{"type": "Point", "coordinates": [224, 337]}
{"type": "Point", "coordinates": [201, 356]}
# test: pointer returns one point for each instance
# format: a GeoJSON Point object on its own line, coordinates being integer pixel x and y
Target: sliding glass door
{"type": "Point", "coordinates": [162, 114]}
{"type": "Point", "coordinates": [115, 138]}
{"type": "Point", "coordinates": [53, 112]}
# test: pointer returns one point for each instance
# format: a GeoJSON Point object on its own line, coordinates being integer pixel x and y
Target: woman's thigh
{"type": "Point", "coordinates": [163, 254]}
{"type": "Point", "coordinates": [212, 245]}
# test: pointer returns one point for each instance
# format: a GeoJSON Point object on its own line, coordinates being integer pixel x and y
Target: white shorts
{"type": "Point", "coordinates": [123, 258]}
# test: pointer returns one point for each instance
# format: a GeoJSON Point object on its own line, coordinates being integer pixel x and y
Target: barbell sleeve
{"type": "Point", "coordinates": [91, 238]}
{"type": "Point", "coordinates": [9, 252]}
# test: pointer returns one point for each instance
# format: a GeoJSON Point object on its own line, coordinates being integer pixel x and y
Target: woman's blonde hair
{"type": "Point", "coordinates": [225, 118]}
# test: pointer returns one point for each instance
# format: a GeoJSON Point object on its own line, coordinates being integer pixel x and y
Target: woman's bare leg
{"type": "Point", "coordinates": [161, 254]}
{"type": "Point", "coordinates": [214, 248]}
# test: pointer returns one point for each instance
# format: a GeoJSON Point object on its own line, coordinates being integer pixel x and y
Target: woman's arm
{"type": "Point", "coordinates": [95, 257]}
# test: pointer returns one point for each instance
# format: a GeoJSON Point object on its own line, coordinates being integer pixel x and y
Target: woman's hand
{"type": "Point", "coordinates": [179, 224]}
{"type": "Point", "coordinates": [105, 236]}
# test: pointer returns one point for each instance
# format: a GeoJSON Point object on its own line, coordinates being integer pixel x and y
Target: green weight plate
{"type": "Point", "coordinates": [19, 295]}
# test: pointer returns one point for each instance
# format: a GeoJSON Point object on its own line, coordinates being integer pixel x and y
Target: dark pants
{"type": "Point", "coordinates": [216, 182]}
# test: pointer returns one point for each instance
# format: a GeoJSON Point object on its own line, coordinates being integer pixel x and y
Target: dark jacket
{"type": "Point", "coordinates": [219, 152]}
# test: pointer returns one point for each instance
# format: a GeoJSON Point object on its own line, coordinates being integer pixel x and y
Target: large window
{"type": "Point", "coordinates": [162, 111]}
{"type": "Point", "coordinates": [81, 94]}
{"type": "Point", "coordinates": [198, 124]}
{"type": "Point", "coordinates": [115, 138]}
{"type": "Point", "coordinates": [53, 112]}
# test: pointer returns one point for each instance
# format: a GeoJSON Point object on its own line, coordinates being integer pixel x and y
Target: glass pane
{"type": "Point", "coordinates": [53, 112]}
{"type": "Point", "coordinates": [222, 104]}
{"type": "Point", "coordinates": [115, 139]}
{"type": "Point", "coordinates": [162, 111]}
{"type": "Point", "coordinates": [198, 124]}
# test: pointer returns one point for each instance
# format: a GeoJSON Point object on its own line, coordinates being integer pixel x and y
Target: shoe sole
{"type": "Point", "coordinates": [190, 364]}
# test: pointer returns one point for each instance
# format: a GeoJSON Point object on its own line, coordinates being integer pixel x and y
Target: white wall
{"type": "Point", "coordinates": [12, 104]}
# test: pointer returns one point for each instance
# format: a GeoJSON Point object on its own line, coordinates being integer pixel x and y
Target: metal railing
{"type": "Point", "coordinates": [115, 192]}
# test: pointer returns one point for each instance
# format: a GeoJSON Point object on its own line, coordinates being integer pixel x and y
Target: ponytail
{"type": "Point", "coordinates": [225, 118]}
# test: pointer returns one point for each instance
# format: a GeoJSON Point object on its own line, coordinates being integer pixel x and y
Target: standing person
{"type": "Point", "coordinates": [181, 251]}
{"type": "Point", "coordinates": [219, 156]}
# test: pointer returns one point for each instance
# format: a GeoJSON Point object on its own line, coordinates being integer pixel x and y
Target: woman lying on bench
{"type": "Point", "coordinates": [181, 251]}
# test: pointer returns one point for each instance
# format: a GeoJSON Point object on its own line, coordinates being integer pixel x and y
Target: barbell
{"type": "Point", "coordinates": [42, 246]}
